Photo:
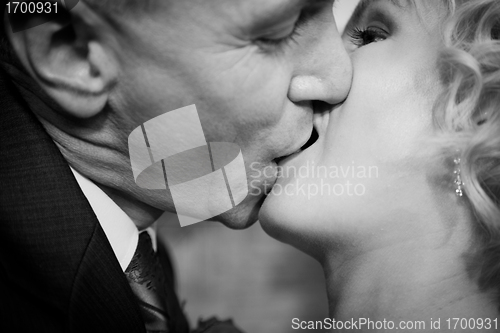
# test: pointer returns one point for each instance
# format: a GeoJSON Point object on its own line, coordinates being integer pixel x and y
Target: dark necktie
{"type": "Point", "coordinates": [147, 281]}
{"type": "Point", "coordinates": [153, 285]}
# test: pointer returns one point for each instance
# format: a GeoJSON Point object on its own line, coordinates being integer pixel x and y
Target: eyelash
{"type": "Point", "coordinates": [362, 37]}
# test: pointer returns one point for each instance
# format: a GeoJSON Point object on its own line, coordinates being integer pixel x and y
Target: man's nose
{"type": "Point", "coordinates": [323, 70]}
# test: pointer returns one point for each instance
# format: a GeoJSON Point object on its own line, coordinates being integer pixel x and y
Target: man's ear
{"type": "Point", "coordinates": [71, 58]}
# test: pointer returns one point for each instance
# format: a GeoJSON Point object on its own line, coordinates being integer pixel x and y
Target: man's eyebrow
{"type": "Point", "coordinates": [319, 2]}
{"type": "Point", "coordinates": [290, 6]}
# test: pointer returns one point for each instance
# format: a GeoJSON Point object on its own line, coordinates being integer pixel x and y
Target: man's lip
{"type": "Point", "coordinates": [306, 144]}
{"type": "Point", "coordinates": [282, 158]}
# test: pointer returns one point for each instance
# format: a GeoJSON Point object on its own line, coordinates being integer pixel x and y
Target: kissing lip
{"type": "Point", "coordinates": [310, 141]}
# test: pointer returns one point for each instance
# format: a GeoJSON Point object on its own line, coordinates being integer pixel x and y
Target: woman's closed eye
{"type": "Point", "coordinates": [364, 36]}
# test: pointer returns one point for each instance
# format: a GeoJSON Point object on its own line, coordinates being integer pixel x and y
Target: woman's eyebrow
{"type": "Point", "coordinates": [359, 11]}
{"type": "Point", "coordinates": [364, 4]}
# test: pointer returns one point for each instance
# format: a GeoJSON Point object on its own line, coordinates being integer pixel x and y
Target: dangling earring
{"type": "Point", "coordinates": [458, 178]}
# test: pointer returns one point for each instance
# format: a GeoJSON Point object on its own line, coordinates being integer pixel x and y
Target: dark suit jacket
{"type": "Point", "coordinates": [58, 272]}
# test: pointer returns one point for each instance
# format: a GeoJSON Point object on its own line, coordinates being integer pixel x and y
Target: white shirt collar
{"type": "Point", "coordinates": [119, 228]}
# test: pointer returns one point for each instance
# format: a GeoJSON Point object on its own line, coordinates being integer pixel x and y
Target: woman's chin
{"type": "Point", "coordinates": [287, 219]}
{"type": "Point", "coordinates": [270, 217]}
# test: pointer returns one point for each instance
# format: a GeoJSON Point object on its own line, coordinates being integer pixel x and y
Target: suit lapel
{"type": "Point", "coordinates": [51, 243]}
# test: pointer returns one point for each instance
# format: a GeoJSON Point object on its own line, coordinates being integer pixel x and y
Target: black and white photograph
{"type": "Point", "coordinates": [249, 166]}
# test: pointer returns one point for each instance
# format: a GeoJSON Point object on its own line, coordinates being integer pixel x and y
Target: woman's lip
{"type": "Point", "coordinates": [320, 122]}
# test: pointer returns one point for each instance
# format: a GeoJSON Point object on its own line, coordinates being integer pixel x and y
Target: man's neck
{"type": "Point", "coordinates": [75, 149]}
{"type": "Point", "coordinates": [421, 277]}
{"type": "Point", "coordinates": [141, 214]}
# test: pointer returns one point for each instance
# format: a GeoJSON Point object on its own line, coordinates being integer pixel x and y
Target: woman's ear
{"type": "Point", "coordinates": [72, 59]}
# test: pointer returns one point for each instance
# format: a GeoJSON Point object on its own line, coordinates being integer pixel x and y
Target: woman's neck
{"type": "Point", "coordinates": [407, 272]}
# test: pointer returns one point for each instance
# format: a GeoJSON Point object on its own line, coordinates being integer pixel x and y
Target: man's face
{"type": "Point", "coordinates": [251, 67]}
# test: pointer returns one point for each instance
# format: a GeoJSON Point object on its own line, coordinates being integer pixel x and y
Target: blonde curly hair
{"type": "Point", "coordinates": [468, 114]}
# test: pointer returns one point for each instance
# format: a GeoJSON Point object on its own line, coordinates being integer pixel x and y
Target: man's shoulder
{"type": "Point", "coordinates": [58, 255]}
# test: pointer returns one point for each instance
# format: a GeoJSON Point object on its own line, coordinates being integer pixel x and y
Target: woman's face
{"type": "Point", "coordinates": [372, 164]}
